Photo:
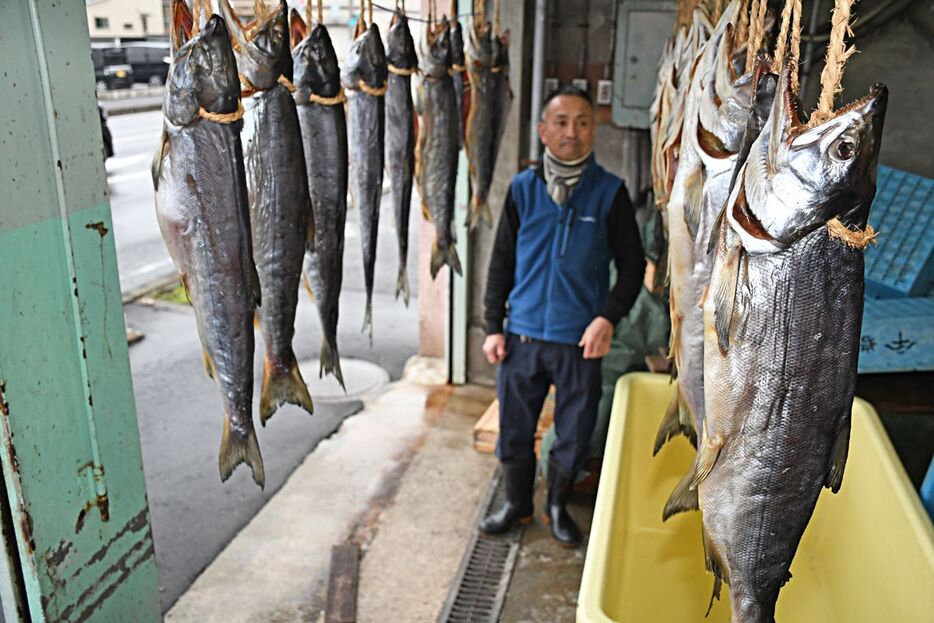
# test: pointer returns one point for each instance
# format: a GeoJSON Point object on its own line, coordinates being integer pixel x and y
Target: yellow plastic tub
{"type": "Point", "coordinates": [866, 557]}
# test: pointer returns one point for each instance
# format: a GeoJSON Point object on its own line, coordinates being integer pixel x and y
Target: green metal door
{"type": "Point", "coordinates": [76, 534]}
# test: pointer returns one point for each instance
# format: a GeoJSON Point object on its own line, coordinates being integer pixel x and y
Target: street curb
{"type": "Point", "coordinates": [134, 109]}
{"type": "Point", "coordinates": [160, 283]}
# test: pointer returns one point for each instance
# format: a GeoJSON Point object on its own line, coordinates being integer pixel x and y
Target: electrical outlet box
{"type": "Point", "coordinates": [581, 83]}
{"type": "Point", "coordinates": [551, 85]}
{"type": "Point", "coordinates": [604, 92]}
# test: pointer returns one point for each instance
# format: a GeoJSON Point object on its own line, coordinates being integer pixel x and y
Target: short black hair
{"type": "Point", "coordinates": [568, 89]}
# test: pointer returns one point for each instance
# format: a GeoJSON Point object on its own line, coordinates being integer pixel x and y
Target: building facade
{"type": "Point", "coordinates": [127, 19]}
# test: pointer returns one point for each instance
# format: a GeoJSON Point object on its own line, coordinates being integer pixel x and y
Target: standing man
{"type": "Point", "coordinates": [548, 285]}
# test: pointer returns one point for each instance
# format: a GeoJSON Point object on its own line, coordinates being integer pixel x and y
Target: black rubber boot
{"type": "Point", "coordinates": [563, 527]}
{"type": "Point", "coordinates": [520, 479]}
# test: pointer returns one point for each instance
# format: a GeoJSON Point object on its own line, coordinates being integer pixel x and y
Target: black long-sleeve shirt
{"type": "Point", "coordinates": [625, 244]}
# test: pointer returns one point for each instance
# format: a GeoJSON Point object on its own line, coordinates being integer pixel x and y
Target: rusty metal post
{"type": "Point", "coordinates": [75, 520]}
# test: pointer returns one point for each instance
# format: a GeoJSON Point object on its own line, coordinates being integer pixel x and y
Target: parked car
{"type": "Point", "coordinates": [149, 60]}
{"type": "Point", "coordinates": [108, 141]}
{"type": "Point", "coordinates": [111, 69]}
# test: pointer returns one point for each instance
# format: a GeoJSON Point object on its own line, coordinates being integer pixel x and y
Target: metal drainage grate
{"type": "Point", "coordinates": [479, 589]}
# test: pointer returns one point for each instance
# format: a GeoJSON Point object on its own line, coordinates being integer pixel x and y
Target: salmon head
{"type": "Point", "coordinates": [203, 72]}
{"type": "Point", "coordinates": [366, 60]}
{"type": "Point", "coordinates": [262, 46]}
{"type": "Point", "coordinates": [400, 47]}
{"type": "Point", "coordinates": [480, 45]}
{"type": "Point", "coordinates": [436, 51]}
{"type": "Point", "coordinates": [799, 176]}
{"type": "Point", "coordinates": [315, 61]}
{"type": "Point", "coordinates": [726, 98]}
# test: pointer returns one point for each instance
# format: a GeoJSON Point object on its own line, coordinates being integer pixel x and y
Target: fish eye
{"type": "Point", "coordinates": [846, 150]}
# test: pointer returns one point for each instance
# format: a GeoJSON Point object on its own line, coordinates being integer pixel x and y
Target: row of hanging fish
{"type": "Point", "coordinates": [767, 221]}
{"type": "Point", "coordinates": [257, 155]}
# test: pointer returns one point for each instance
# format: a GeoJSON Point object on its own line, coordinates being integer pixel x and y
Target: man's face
{"type": "Point", "coordinates": [567, 127]}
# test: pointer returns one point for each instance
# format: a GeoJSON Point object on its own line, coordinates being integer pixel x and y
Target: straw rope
{"type": "Point", "coordinates": [401, 71]}
{"type": "Point", "coordinates": [374, 91]}
{"type": "Point", "coordinates": [222, 117]}
{"type": "Point", "coordinates": [837, 55]}
{"type": "Point", "coordinates": [852, 238]}
{"type": "Point", "coordinates": [457, 69]}
{"type": "Point", "coordinates": [790, 44]}
{"type": "Point", "coordinates": [289, 86]}
{"type": "Point", "coordinates": [328, 101]}
{"type": "Point", "coordinates": [742, 25]}
{"type": "Point", "coordinates": [320, 11]}
{"type": "Point", "coordinates": [756, 31]}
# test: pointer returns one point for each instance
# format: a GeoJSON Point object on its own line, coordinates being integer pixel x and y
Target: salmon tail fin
{"type": "Point", "coordinates": [437, 259]}
{"type": "Point", "coordinates": [307, 283]}
{"type": "Point", "coordinates": [452, 260]}
{"type": "Point", "coordinates": [677, 421]}
{"type": "Point", "coordinates": [208, 364]}
{"type": "Point", "coordinates": [479, 211]}
{"type": "Point", "coordinates": [402, 285]}
{"type": "Point", "coordinates": [714, 567]}
{"type": "Point", "coordinates": [237, 449]}
{"type": "Point", "coordinates": [682, 499]}
{"type": "Point", "coordinates": [282, 385]}
{"type": "Point", "coordinates": [838, 456]}
{"type": "Point", "coordinates": [331, 363]}
{"type": "Point", "coordinates": [368, 317]}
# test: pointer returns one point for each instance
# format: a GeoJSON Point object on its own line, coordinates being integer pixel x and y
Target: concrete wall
{"type": "Point", "coordinates": [899, 54]}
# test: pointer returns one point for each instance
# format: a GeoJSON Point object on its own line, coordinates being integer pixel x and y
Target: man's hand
{"type": "Point", "coordinates": [494, 347]}
{"type": "Point", "coordinates": [596, 339]}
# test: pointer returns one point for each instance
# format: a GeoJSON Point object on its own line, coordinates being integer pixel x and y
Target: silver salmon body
{"type": "Point", "coordinates": [280, 208]}
{"type": "Point", "coordinates": [436, 169]}
{"type": "Point", "coordinates": [364, 78]}
{"type": "Point", "coordinates": [201, 205]}
{"type": "Point", "coordinates": [324, 137]}
{"type": "Point", "coordinates": [782, 321]}
{"type": "Point", "coordinates": [400, 135]}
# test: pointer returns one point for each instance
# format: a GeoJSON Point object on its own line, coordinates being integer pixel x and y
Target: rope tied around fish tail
{"type": "Point", "coordinates": [457, 69]}
{"type": "Point", "coordinates": [374, 91]}
{"type": "Point", "coordinates": [248, 88]}
{"type": "Point", "coordinates": [401, 71]}
{"type": "Point", "coordinates": [856, 239]}
{"type": "Point", "coordinates": [222, 117]}
{"type": "Point", "coordinates": [837, 55]}
{"type": "Point", "coordinates": [340, 98]}
{"type": "Point", "coordinates": [288, 84]}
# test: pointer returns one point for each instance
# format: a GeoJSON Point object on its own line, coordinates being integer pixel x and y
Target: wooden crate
{"type": "Point", "coordinates": [486, 430]}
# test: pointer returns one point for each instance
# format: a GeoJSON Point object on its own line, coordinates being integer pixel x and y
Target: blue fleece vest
{"type": "Point", "coordinates": [562, 256]}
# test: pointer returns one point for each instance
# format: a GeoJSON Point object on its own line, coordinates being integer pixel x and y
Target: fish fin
{"type": "Point", "coordinates": [714, 567]}
{"type": "Point", "coordinates": [368, 317]}
{"type": "Point", "coordinates": [715, 231]}
{"type": "Point", "coordinates": [706, 458]}
{"type": "Point", "coordinates": [682, 499]}
{"type": "Point", "coordinates": [725, 296]}
{"type": "Point", "coordinates": [182, 24]}
{"type": "Point", "coordinates": [479, 211]}
{"type": "Point", "coordinates": [674, 339]}
{"type": "Point", "coordinates": [282, 385]}
{"type": "Point", "coordinates": [236, 450]}
{"type": "Point", "coordinates": [452, 260]}
{"type": "Point", "coordinates": [437, 259]}
{"type": "Point", "coordinates": [208, 364]}
{"type": "Point", "coordinates": [331, 363]}
{"type": "Point", "coordinates": [838, 455]}
{"type": "Point", "coordinates": [677, 421]}
{"type": "Point", "coordinates": [694, 201]}
{"type": "Point", "coordinates": [308, 289]}
{"type": "Point", "coordinates": [402, 285]}
{"type": "Point", "coordinates": [298, 30]}
{"type": "Point", "coordinates": [184, 279]}
{"type": "Point", "coordinates": [161, 150]}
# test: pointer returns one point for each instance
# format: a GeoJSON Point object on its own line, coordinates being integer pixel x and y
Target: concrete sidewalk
{"type": "Point", "coordinates": [402, 481]}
